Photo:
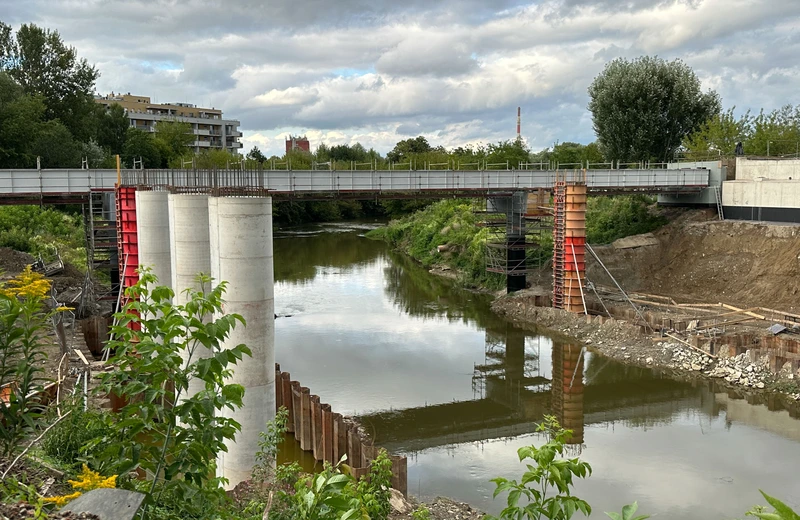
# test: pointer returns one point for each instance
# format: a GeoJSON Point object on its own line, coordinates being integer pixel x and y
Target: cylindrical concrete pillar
{"type": "Point", "coordinates": [241, 240]}
{"type": "Point", "coordinates": [152, 215]}
{"type": "Point", "coordinates": [188, 236]}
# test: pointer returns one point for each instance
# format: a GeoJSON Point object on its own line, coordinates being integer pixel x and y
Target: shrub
{"type": "Point", "coordinates": [66, 441]}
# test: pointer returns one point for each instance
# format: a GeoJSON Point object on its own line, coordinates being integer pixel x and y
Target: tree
{"type": "Point", "coordinates": [56, 147]}
{"type": "Point", "coordinates": [173, 138]}
{"type": "Point", "coordinates": [772, 133]}
{"type": "Point", "coordinates": [20, 118]}
{"type": "Point", "coordinates": [642, 109]}
{"type": "Point", "coordinates": [572, 154]}
{"type": "Point", "coordinates": [141, 145]}
{"type": "Point", "coordinates": [112, 128]}
{"type": "Point", "coordinates": [42, 64]}
{"type": "Point", "coordinates": [406, 147]}
{"type": "Point", "coordinates": [257, 155]}
{"type": "Point", "coordinates": [510, 152]}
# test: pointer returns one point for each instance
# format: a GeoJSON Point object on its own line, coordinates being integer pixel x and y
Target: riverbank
{"type": "Point", "coordinates": [747, 370]}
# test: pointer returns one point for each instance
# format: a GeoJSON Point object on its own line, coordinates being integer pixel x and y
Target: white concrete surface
{"type": "Point", "coordinates": [189, 242]}
{"type": "Point", "coordinates": [152, 220]}
{"type": "Point", "coordinates": [241, 251]}
{"type": "Point", "coordinates": [765, 168]}
{"type": "Point", "coordinates": [764, 194]}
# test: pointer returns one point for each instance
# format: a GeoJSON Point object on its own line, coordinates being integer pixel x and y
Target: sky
{"type": "Point", "coordinates": [455, 71]}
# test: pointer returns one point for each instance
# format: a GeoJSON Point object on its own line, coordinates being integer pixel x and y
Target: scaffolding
{"type": "Point", "coordinates": [518, 232]}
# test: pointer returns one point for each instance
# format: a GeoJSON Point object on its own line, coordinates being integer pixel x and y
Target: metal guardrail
{"type": "Point", "coordinates": [14, 182]}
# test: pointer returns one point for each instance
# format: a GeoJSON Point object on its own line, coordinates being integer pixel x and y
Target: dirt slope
{"type": "Point", "coordinates": [697, 259]}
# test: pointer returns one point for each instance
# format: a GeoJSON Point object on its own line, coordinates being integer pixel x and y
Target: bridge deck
{"type": "Point", "coordinates": [20, 186]}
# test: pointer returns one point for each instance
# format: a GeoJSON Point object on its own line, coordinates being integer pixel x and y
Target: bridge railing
{"type": "Point", "coordinates": [316, 181]}
{"type": "Point", "coordinates": [56, 181]}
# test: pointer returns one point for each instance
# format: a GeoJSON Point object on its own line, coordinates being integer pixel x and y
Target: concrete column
{"type": "Point", "coordinates": [188, 237]}
{"type": "Point", "coordinates": [152, 216]}
{"type": "Point", "coordinates": [241, 251]}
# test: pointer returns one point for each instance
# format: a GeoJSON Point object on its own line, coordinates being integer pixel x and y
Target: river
{"type": "Point", "coordinates": [435, 375]}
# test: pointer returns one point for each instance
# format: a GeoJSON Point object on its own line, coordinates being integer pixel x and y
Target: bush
{"type": "Point", "coordinates": [610, 218]}
{"type": "Point", "coordinates": [66, 441]}
{"type": "Point", "coordinates": [36, 230]}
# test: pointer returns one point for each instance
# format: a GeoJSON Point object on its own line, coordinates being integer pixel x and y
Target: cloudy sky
{"type": "Point", "coordinates": [377, 71]}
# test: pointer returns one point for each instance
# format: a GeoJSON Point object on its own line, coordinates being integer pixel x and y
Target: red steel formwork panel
{"type": "Point", "coordinates": [127, 239]}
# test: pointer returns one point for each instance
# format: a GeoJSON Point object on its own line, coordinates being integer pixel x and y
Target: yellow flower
{"type": "Point", "coordinates": [27, 284]}
{"type": "Point", "coordinates": [89, 480]}
{"type": "Point", "coordinates": [63, 499]}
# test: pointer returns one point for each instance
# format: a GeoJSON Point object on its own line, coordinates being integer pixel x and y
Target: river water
{"type": "Point", "coordinates": [435, 375]}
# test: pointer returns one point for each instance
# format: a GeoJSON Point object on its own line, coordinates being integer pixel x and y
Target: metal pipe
{"type": "Point", "coordinates": [624, 294]}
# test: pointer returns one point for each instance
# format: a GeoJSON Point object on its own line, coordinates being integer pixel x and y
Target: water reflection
{"type": "Point", "coordinates": [436, 375]}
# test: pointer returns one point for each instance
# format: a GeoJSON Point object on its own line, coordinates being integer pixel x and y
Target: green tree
{"type": "Point", "coordinates": [173, 435]}
{"type": "Point", "coordinates": [173, 137]}
{"type": "Point", "coordinates": [42, 64]}
{"type": "Point", "coordinates": [643, 109]}
{"type": "Point", "coordinates": [20, 119]}
{"type": "Point", "coordinates": [141, 145]}
{"type": "Point", "coordinates": [56, 147]}
{"type": "Point", "coordinates": [403, 149]}
{"type": "Point", "coordinates": [257, 155]}
{"type": "Point", "coordinates": [768, 133]}
{"type": "Point", "coordinates": [112, 129]}
{"type": "Point", "coordinates": [509, 152]}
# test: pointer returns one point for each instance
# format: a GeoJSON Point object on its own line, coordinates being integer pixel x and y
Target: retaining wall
{"type": "Point", "coordinates": [327, 434]}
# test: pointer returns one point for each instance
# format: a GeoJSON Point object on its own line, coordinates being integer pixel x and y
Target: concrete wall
{"type": "Point", "coordinates": [768, 193]}
{"type": "Point", "coordinates": [717, 173]}
{"type": "Point", "coordinates": [765, 168]}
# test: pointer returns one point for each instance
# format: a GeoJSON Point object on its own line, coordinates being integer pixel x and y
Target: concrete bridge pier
{"type": "Point", "coordinates": [189, 244]}
{"type": "Point", "coordinates": [241, 254]}
{"type": "Point", "coordinates": [152, 210]}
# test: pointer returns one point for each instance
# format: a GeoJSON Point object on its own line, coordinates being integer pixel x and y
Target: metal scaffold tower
{"type": "Point", "coordinates": [100, 231]}
{"type": "Point", "coordinates": [569, 245]}
{"type": "Point", "coordinates": [559, 230]}
{"type": "Point", "coordinates": [518, 227]}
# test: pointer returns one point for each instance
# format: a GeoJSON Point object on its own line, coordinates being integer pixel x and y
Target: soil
{"type": "Point", "coordinates": [439, 509]}
{"type": "Point", "coordinates": [699, 258]}
{"type": "Point", "coordinates": [23, 511]}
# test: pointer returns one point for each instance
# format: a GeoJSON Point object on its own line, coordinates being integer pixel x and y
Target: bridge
{"type": "Point", "coordinates": [184, 222]}
{"type": "Point", "coordinates": [74, 186]}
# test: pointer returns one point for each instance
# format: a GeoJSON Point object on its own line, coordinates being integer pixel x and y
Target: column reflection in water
{"type": "Point", "coordinates": [567, 389]}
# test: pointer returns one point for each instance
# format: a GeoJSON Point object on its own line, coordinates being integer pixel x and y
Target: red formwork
{"type": "Point", "coordinates": [127, 239]}
{"type": "Point", "coordinates": [575, 253]}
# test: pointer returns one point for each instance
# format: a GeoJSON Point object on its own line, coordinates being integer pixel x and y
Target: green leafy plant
{"type": "Point", "coordinates": [421, 513]}
{"type": "Point", "coordinates": [170, 434]}
{"type": "Point", "coordinates": [324, 497]}
{"type": "Point", "coordinates": [627, 513]}
{"type": "Point", "coordinates": [782, 511]}
{"type": "Point", "coordinates": [374, 492]}
{"type": "Point", "coordinates": [23, 321]}
{"type": "Point", "coordinates": [66, 441]}
{"type": "Point", "coordinates": [547, 484]}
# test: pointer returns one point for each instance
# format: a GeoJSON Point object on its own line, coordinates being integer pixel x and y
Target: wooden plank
{"type": "Point", "coordinates": [400, 474]}
{"type": "Point", "coordinates": [286, 387]}
{"type": "Point", "coordinates": [297, 406]}
{"type": "Point", "coordinates": [743, 311]}
{"type": "Point", "coordinates": [353, 447]}
{"type": "Point", "coordinates": [782, 313]}
{"type": "Point", "coordinates": [316, 427]}
{"type": "Point", "coordinates": [335, 426]}
{"type": "Point", "coordinates": [278, 389]}
{"type": "Point", "coordinates": [691, 346]}
{"type": "Point", "coordinates": [305, 419]}
{"type": "Point", "coordinates": [327, 434]}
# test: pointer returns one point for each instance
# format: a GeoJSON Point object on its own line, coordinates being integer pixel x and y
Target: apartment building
{"type": "Point", "coordinates": [211, 131]}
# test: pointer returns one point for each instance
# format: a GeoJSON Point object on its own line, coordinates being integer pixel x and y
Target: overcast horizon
{"type": "Point", "coordinates": [454, 71]}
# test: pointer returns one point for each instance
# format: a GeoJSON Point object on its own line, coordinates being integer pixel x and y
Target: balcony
{"type": "Point", "coordinates": [202, 144]}
{"type": "Point", "coordinates": [234, 144]}
{"type": "Point", "coordinates": [199, 131]}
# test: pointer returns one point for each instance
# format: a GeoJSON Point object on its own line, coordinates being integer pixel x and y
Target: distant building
{"type": "Point", "coordinates": [211, 131]}
{"type": "Point", "coordinates": [297, 143]}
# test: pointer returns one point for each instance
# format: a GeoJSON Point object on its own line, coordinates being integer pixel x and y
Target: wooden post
{"type": "Point", "coordinates": [297, 406]}
{"type": "Point", "coordinates": [339, 434]}
{"type": "Point", "coordinates": [400, 474]}
{"type": "Point", "coordinates": [327, 434]}
{"type": "Point", "coordinates": [305, 419]}
{"type": "Point", "coordinates": [316, 430]}
{"type": "Point", "coordinates": [368, 454]}
{"type": "Point", "coordinates": [278, 390]}
{"type": "Point", "coordinates": [353, 447]}
{"type": "Point", "coordinates": [286, 398]}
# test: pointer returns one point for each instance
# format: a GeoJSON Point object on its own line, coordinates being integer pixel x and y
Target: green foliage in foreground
{"type": "Point", "coordinates": [781, 510]}
{"type": "Point", "coordinates": [547, 485]}
{"type": "Point", "coordinates": [37, 230]}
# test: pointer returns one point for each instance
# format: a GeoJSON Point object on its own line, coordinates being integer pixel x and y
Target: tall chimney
{"type": "Point", "coordinates": [519, 123]}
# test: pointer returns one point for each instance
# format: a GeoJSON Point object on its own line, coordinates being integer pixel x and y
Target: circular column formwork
{"type": "Point", "coordinates": [188, 236]}
{"type": "Point", "coordinates": [241, 252]}
{"type": "Point", "coordinates": [575, 247]}
{"type": "Point", "coordinates": [152, 215]}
